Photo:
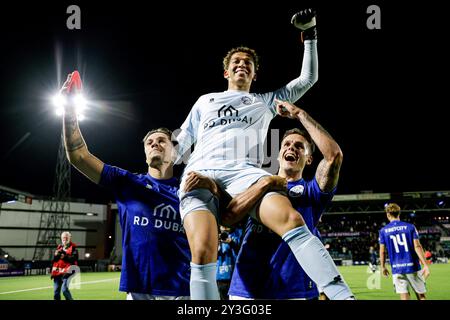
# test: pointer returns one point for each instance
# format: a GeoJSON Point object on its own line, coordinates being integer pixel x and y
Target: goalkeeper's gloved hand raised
{"type": "Point", "coordinates": [305, 20]}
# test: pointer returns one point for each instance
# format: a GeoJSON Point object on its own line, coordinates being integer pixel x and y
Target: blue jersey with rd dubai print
{"type": "Point", "coordinates": [153, 240]}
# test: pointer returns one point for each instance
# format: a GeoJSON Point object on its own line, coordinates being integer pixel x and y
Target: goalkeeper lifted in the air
{"type": "Point", "coordinates": [229, 129]}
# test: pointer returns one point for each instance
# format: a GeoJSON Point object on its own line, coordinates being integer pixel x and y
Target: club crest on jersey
{"type": "Point", "coordinates": [296, 191]}
{"type": "Point", "coordinates": [246, 100]}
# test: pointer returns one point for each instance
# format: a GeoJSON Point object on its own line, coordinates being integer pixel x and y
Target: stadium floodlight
{"type": "Point", "coordinates": [87, 255]}
{"type": "Point", "coordinates": [80, 102]}
{"type": "Point", "coordinates": [59, 100]}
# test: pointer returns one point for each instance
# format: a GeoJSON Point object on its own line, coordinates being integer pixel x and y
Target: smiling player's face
{"type": "Point", "coordinates": [295, 153]}
{"type": "Point", "coordinates": [241, 70]}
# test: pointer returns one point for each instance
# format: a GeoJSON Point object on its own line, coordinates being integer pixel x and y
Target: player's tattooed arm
{"type": "Point", "coordinates": [327, 173]}
{"type": "Point", "coordinates": [77, 151]}
{"type": "Point", "coordinates": [72, 135]}
{"type": "Point", "coordinates": [73, 138]}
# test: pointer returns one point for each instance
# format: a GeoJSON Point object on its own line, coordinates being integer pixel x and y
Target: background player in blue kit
{"type": "Point", "coordinates": [401, 240]}
{"type": "Point", "coordinates": [229, 129]}
{"type": "Point", "coordinates": [155, 262]}
{"type": "Point", "coordinates": [266, 268]}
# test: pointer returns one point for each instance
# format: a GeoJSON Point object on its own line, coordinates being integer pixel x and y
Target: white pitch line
{"type": "Point", "coordinates": [42, 288]}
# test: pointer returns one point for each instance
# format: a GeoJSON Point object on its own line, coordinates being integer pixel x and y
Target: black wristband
{"type": "Point", "coordinates": [309, 34]}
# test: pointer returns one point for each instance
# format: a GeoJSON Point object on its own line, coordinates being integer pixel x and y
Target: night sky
{"type": "Point", "coordinates": [380, 93]}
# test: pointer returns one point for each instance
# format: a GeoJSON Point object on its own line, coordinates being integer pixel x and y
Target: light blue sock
{"type": "Point", "coordinates": [203, 282]}
{"type": "Point", "coordinates": [317, 262]}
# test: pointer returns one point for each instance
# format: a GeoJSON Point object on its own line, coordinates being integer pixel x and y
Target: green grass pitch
{"type": "Point", "coordinates": [104, 285]}
{"type": "Point", "coordinates": [92, 286]}
{"type": "Point", "coordinates": [373, 286]}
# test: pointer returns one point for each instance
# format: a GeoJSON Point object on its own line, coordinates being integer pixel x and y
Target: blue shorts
{"type": "Point", "coordinates": [232, 181]}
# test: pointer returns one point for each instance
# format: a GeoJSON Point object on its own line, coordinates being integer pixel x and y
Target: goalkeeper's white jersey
{"type": "Point", "coordinates": [229, 128]}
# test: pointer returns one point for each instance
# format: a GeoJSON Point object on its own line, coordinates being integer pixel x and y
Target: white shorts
{"type": "Point", "coordinates": [233, 181]}
{"type": "Point", "coordinates": [415, 280]}
{"type": "Point", "coordinates": [146, 296]}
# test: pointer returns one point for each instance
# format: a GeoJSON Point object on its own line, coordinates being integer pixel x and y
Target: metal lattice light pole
{"type": "Point", "coordinates": [54, 216]}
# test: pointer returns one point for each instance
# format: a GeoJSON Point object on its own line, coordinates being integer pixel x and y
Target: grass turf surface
{"type": "Point", "coordinates": [104, 285]}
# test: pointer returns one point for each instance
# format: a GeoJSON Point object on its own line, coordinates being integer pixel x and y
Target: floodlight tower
{"type": "Point", "coordinates": [54, 217]}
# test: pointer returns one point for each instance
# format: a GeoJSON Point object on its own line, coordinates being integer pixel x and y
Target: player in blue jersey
{"type": "Point", "coordinates": [278, 275]}
{"type": "Point", "coordinates": [401, 240]}
{"type": "Point", "coordinates": [156, 256]}
{"type": "Point", "coordinates": [229, 129]}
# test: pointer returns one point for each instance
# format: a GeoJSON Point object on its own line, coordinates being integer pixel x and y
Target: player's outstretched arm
{"type": "Point", "coordinates": [327, 173]}
{"type": "Point", "coordinates": [304, 20]}
{"type": "Point", "coordinates": [76, 149]}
